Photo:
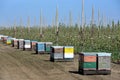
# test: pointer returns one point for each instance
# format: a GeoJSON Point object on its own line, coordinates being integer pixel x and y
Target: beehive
{"type": "Point", "coordinates": [87, 63]}
{"type": "Point", "coordinates": [40, 47]}
{"type": "Point", "coordinates": [4, 38]}
{"type": "Point", "coordinates": [20, 43]}
{"type": "Point", "coordinates": [48, 47]}
{"type": "Point", "coordinates": [9, 40]}
{"type": "Point", "coordinates": [56, 53]}
{"type": "Point", "coordinates": [33, 45]}
{"type": "Point", "coordinates": [12, 41]}
{"type": "Point", "coordinates": [1, 37]}
{"type": "Point", "coordinates": [68, 52]}
{"type": "Point", "coordinates": [104, 63]}
{"type": "Point", "coordinates": [27, 45]}
{"type": "Point", "coordinates": [15, 43]}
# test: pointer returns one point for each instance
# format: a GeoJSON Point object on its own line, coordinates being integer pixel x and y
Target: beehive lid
{"type": "Point", "coordinates": [69, 46]}
{"type": "Point", "coordinates": [33, 41]}
{"type": "Point", "coordinates": [5, 36]}
{"type": "Point", "coordinates": [20, 39]}
{"type": "Point", "coordinates": [48, 42]}
{"type": "Point", "coordinates": [27, 40]}
{"type": "Point", "coordinates": [9, 37]}
{"type": "Point", "coordinates": [89, 53]}
{"type": "Point", "coordinates": [104, 54]}
{"type": "Point", "coordinates": [16, 39]}
{"type": "Point", "coordinates": [13, 38]}
{"type": "Point", "coordinates": [40, 42]}
{"type": "Point", "coordinates": [57, 46]}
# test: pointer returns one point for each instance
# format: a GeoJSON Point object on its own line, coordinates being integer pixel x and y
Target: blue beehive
{"type": "Point", "coordinates": [40, 47]}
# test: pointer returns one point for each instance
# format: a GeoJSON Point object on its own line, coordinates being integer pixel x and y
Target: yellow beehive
{"type": "Point", "coordinates": [68, 50]}
{"type": "Point", "coordinates": [8, 42]}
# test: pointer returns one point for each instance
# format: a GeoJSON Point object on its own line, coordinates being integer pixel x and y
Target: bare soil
{"type": "Point", "coordinates": [16, 64]}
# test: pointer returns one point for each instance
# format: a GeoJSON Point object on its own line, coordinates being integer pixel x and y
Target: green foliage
{"type": "Point", "coordinates": [105, 39]}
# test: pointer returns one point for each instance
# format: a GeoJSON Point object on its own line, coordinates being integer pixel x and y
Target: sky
{"type": "Point", "coordinates": [14, 10]}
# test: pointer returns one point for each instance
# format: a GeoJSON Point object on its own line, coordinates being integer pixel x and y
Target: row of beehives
{"type": "Point", "coordinates": [56, 52]}
{"type": "Point", "coordinates": [89, 63]}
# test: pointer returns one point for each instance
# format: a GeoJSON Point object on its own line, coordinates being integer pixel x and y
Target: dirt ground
{"type": "Point", "coordinates": [16, 64]}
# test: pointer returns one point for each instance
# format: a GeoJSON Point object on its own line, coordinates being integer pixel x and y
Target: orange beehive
{"type": "Point", "coordinates": [33, 45]}
{"type": "Point", "coordinates": [89, 58]}
{"type": "Point", "coordinates": [87, 63]}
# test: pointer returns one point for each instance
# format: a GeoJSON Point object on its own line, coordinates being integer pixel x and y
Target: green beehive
{"type": "Point", "coordinates": [48, 46]}
{"type": "Point", "coordinates": [89, 65]}
{"type": "Point", "coordinates": [48, 49]}
{"type": "Point", "coordinates": [87, 61]}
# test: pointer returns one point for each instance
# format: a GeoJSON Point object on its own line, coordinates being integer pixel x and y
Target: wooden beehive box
{"type": "Point", "coordinates": [56, 53]}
